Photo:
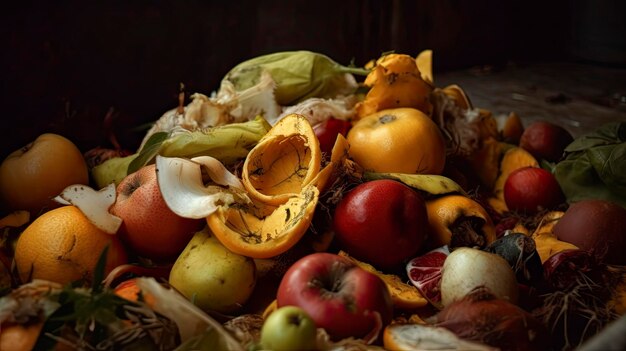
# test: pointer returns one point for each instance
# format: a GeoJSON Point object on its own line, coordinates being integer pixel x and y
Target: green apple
{"type": "Point", "coordinates": [213, 277]}
{"type": "Point", "coordinates": [289, 328]}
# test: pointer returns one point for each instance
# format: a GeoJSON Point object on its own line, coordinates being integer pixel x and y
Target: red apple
{"type": "Point", "coordinates": [149, 227]}
{"type": "Point", "coordinates": [328, 130]}
{"type": "Point", "coordinates": [545, 140]}
{"type": "Point", "coordinates": [381, 222]}
{"type": "Point", "coordinates": [340, 297]}
{"type": "Point", "coordinates": [532, 189]}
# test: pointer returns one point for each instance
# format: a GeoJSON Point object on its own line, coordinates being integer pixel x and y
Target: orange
{"type": "Point", "coordinates": [400, 140]}
{"type": "Point", "coordinates": [286, 159]}
{"type": "Point", "coordinates": [264, 231]}
{"type": "Point", "coordinates": [17, 337]}
{"type": "Point", "coordinates": [33, 175]}
{"type": "Point", "coordinates": [63, 246]}
{"type": "Point", "coordinates": [130, 291]}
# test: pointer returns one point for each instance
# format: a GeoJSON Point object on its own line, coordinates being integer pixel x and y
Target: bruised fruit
{"type": "Point", "coordinates": [457, 220]}
{"type": "Point", "coordinates": [545, 140]}
{"type": "Point", "coordinates": [597, 226]}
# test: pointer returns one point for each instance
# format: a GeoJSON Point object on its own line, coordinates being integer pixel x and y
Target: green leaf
{"type": "Point", "coordinates": [148, 151]}
{"type": "Point", "coordinates": [99, 271]}
{"type": "Point", "coordinates": [595, 166]}
{"type": "Point", "coordinates": [608, 134]}
{"type": "Point", "coordinates": [298, 75]}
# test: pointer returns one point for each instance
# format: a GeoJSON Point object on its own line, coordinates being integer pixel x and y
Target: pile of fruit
{"type": "Point", "coordinates": [300, 207]}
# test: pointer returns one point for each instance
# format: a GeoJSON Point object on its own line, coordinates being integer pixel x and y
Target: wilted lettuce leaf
{"type": "Point", "coordinates": [299, 75]}
{"type": "Point", "coordinates": [595, 166]}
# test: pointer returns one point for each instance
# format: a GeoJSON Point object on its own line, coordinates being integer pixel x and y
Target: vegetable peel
{"type": "Point", "coordinates": [94, 204]}
{"type": "Point", "coordinates": [183, 189]}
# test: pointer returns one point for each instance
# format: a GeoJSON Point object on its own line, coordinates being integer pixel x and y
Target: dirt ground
{"type": "Point", "coordinates": [578, 96]}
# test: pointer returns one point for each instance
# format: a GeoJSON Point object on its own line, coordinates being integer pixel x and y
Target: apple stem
{"type": "Point", "coordinates": [27, 147]}
{"type": "Point", "coordinates": [384, 119]}
{"type": "Point", "coordinates": [295, 319]}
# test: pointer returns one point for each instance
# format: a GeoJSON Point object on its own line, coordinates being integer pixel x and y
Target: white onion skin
{"type": "Point", "coordinates": [466, 269]}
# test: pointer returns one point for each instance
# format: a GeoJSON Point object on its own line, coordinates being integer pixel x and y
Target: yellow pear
{"type": "Point", "coordinates": [211, 276]}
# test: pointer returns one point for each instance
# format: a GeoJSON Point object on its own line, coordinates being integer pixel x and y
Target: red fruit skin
{"type": "Point", "coordinates": [381, 222]}
{"type": "Point", "coordinates": [149, 228]}
{"type": "Point", "coordinates": [531, 190]}
{"type": "Point", "coordinates": [327, 132]}
{"type": "Point", "coordinates": [340, 297]}
{"type": "Point", "coordinates": [596, 226]}
{"type": "Point", "coordinates": [545, 140]}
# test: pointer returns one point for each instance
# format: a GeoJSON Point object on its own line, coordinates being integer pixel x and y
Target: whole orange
{"type": "Point", "coordinates": [18, 337]}
{"type": "Point", "coordinates": [33, 175]}
{"type": "Point", "coordinates": [401, 140]}
{"type": "Point", "coordinates": [63, 246]}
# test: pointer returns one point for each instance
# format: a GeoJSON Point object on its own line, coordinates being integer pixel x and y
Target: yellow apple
{"type": "Point", "coordinates": [400, 140]}
{"type": "Point", "coordinates": [33, 175]}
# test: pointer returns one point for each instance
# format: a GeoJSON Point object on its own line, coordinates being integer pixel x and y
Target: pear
{"type": "Point", "coordinates": [211, 276]}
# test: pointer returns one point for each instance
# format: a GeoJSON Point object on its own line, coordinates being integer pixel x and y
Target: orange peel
{"type": "Point", "coordinates": [260, 230]}
{"type": "Point", "coordinates": [284, 161]}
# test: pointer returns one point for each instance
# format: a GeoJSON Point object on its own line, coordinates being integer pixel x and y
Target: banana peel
{"type": "Point", "coordinates": [433, 184]}
{"type": "Point", "coordinates": [424, 62]}
{"type": "Point", "coordinates": [485, 162]}
{"type": "Point", "coordinates": [403, 296]}
{"type": "Point", "coordinates": [395, 81]}
{"type": "Point", "coordinates": [546, 241]}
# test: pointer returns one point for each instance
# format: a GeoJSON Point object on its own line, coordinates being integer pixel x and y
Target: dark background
{"type": "Point", "coordinates": [66, 63]}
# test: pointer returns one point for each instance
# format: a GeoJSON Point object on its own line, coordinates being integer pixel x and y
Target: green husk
{"type": "Point", "coordinates": [298, 75]}
{"type": "Point", "coordinates": [595, 166]}
{"type": "Point", "coordinates": [227, 143]}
